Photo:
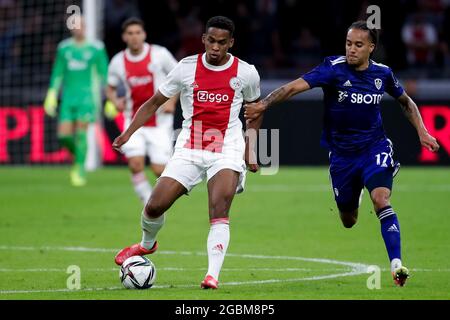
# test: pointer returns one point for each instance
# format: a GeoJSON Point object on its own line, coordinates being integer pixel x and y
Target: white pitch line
{"type": "Point", "coordinates": [174, 269]}
{"type": "Point", "coordinates": [33, 270]}
{"type": "Point", "coordinates": [356, 268]}
{"type": "Point", "coordinates": [235, 283]}
{"type": "Point", "coordinates": [314, 278]}
{"type": "Point", "coordinates": [56, 290]}
{"type": "Point", "coordinates": [204, 269]}
{"type": "Point", "coordinates": [47, 248]}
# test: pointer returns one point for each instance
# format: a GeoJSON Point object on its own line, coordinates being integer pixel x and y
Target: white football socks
{"type": "Point", "coordinates": [218, 239]}
{"type": "Point", "coordinates": [150, 228]}
{"type": "Point", "coordinates": [141, 186]}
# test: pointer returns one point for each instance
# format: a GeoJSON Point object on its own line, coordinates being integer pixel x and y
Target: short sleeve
{"type": "Point", "coordinates": [114, 73]}
{"type": "Point", "coordinates": [168, 61]}
{"type": "Point", "coordinates": [320, 76]}
{"type": "Point", "coordinates": [173, 84]}
{"type": "Point", "coordinates": [393, 86]}
{"type": "Point", "coordinates": [252, 91]}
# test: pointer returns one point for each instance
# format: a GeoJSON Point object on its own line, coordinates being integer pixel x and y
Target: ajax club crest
{"type": "Point", "coordinates": [235, 83]}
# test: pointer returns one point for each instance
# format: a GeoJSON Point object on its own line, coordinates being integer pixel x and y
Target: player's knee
{"type": "Point", "coordinates": [349, 222]}
{"type": "Point", "coordinates": [135, 167]}
{"type": "Point", "coordinates": [154, 208]}
{"type": "Point", "coordinates": [380, 199]}
{"type": "Point", "coordinates": [348, 213]}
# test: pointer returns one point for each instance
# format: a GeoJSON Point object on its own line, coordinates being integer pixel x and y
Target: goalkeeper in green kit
{"type": "Point", "coordinates": [81, 68]}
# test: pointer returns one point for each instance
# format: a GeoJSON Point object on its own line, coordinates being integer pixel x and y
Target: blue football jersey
{"type": "Point", "coordinates": [352, 117]}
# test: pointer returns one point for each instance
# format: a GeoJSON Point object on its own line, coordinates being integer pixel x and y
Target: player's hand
{"type": "Point", "coordinates": [120, 141]}
{"type": "Point", "coordinates": [110, 110]}
{"type": "Point", "coordinates": [51, 102]}
{"type": "Point", "coordinates": [250, 159]}
{"type": "Point", "coordinates": [254, 110]}
{"type": "Point", "coordinates": [429, 142]}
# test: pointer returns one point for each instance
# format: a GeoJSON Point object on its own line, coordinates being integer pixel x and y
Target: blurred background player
{"type": "Point", "coordinates": [142, 68]}
{"type": "Point", "coordinates": [360, 153]}
{"type": "Point", "coordinates": [213, 86]}
{"type": "Point", "coordinates": [79, 67]}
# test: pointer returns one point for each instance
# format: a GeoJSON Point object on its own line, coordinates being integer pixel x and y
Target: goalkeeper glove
{"type": "Point", "coordinates": [51, 102]}
{"type": "Point", "coordinates": [110, 110]}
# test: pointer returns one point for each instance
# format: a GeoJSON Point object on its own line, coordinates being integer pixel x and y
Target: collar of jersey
{"type": "Point", "coordinates": [217, 68]}
{"type": "Point", "coordinates": [369, 67]}
{"type": "Point", "coordinates": [140, 56]}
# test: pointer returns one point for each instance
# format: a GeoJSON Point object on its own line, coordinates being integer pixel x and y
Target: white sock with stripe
{"type": "Point", "coordinates": [217, 245]}
{"type": "Point", "coordinates": [141, 186]}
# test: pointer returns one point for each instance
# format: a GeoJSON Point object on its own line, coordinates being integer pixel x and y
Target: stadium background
{"type": "Point", "coordinates": [282, 38]}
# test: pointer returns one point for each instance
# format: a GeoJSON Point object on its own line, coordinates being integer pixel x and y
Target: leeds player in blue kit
{"type": "Point", "coordinates": [360, 152]}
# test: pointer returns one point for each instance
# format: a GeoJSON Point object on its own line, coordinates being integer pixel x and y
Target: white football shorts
{"type": "Point", "coordinates": [154, 142]}
{"type": "Point", "coordinates": [189, 172]}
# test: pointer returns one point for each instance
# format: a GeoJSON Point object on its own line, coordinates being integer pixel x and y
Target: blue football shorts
{"type": "Point", "coordinates": [371, 169]}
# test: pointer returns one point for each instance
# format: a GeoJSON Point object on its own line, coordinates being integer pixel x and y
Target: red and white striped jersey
{"type": "Point", "coordinates": [141, 76]}
{"type": "Point", "coordinates": [211, 99]}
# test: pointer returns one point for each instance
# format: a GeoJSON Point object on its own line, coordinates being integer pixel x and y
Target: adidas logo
{"type": "Point", "coordinates": [194, 85]}
{"type": "Point", "coordinates": [393, 228]}
{"type": "Point", "coordinates": [218, 247]}
{"type": "Point", "coordinates": [347, 83]}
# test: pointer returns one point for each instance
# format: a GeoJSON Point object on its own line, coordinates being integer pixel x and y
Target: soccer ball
{"type": "Point", "coordinates": [137, 273]}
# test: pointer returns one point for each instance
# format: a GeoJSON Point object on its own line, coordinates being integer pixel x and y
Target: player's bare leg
{"type": "Point", "coordinates": [166, 192]}
{"type": "Point", "coordinates": [157, 168]}
{"type": "Point", "coordinates": [221, 191]}
{"type": "Point", "coordinates": [381, 197]}
{"type": "Point", "coordinates": [140, 182]}
{"type": "Point", "coordinates": [390, 230]}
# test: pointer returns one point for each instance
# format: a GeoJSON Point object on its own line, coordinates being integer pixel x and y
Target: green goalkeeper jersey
{"type": "Point", "coordinates": [80, 68]}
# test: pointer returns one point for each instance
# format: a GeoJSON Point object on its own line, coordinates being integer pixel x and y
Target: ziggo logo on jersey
{"type": "Point", "coordinates": [205, 96]}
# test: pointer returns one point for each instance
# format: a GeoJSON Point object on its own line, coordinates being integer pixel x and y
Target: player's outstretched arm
{"type": "Point", "coordinates": [412, 113]}
{"type": "Point", "coordinates": [254, 110]}
{"type": "Point", "coordinates": [142, 115]}
{"type": "Point", "coordinates": [251, 133]}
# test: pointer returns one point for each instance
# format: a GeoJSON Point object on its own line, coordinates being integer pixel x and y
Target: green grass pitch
{"type": "Point", "coordinates": [286, 238]}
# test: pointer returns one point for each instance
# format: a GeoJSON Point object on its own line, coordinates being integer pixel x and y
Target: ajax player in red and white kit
{"type": "Point", "coordinates": [142, 68]}
{"type": "Point", "coordinates": [211, 145]}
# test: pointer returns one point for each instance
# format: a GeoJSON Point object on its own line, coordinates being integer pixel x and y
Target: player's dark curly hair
{"type": "Point", "coordinates": [221, 22]}
{"type": "Point", "coordinates": [132, 21]}
{"type": "Point", "coordinates": [362, 25]}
